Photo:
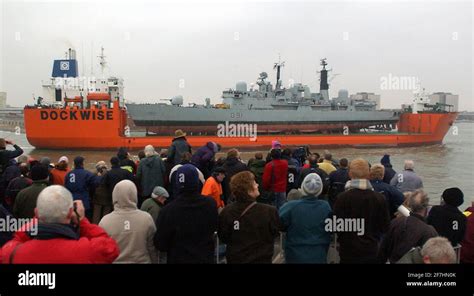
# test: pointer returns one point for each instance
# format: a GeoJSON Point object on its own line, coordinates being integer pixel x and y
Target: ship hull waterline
{"type": "Point", "coordinates": [44, 132]}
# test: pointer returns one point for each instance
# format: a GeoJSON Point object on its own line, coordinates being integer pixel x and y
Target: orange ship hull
{"type": "Point", "coordinates": [105, 128]}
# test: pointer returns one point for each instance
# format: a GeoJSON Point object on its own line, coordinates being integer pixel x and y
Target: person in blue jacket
{"type": "Point", "coordinates": [80, 181]}
{"type": "Point", "coordinates": [393, 196]}
{"type": "Point", "coordinates": [304, 220]}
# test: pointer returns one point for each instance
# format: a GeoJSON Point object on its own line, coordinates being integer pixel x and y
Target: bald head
{"type": "Point", "coordinates": [409, 165]}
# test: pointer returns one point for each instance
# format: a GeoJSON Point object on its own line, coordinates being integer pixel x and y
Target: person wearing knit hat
{"type": "Point", "coordinates": [186, 226]}
{"type": "Point", "coordinates": [25, 202]}
{"type": "Point", "coordinates": [447, 219]}
{"type": "Point", "coordinates": [187, 178]}
{"type": "Point", "coordinates": [312, 185]}
{"type": "Point", "coordinates": [276, 144]}
{"type": "Point", "coordinates": [453, 196]}
{"type": "Point", "coordinates": [307, 241]}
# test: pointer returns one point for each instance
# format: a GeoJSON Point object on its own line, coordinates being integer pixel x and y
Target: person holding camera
{"type": "Point", "coordinates": [60, 234]}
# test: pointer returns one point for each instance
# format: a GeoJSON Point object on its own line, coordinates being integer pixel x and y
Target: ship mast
{"type": "Point", "coordinates": [323, 84]}
{"type": "Point", "coordinates": [103, 62]}
{"type": "Point", "coordinates": [278, 66]}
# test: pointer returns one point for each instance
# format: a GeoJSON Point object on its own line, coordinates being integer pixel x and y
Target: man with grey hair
{"type": "Point", "coordinates": [60, 234]}
{"type": "Point", "coordinates": [407, 180]}
{"type": "Point", "coordinates": [150, 173]}
{"type": "Point", "coordinates": [409, 232]}
{"type": "Point", "coordinates": [437, 250]}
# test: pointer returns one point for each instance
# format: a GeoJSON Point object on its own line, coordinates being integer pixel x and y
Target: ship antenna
{"type": "Point", "coordinates": [278, 67]}
{"type": "Point", "coordinates": [103, 62]}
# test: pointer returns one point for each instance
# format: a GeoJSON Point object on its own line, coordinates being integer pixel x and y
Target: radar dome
{"type": "Point", "coordinates": [343, 94]}
{"type": "Point", "coordinates": [241, 86]}
{"type": "Point", "coordinates": [177, 100]}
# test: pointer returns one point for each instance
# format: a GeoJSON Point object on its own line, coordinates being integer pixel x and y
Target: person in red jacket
{"type": "Point", "coordinates": [467, 249]}
{"type": "Point", "coordinates": [275, 177]}
{"type": "Point", "coordinates": [52, 239]}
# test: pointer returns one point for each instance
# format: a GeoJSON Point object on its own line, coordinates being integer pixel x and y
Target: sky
{"type": "Point", "coordinates": [197, 49]}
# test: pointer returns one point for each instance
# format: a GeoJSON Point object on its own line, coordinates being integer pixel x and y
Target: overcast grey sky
{"type": "Point", "coordinates": [212, 45]}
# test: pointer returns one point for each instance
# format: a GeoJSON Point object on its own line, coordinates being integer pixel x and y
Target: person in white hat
{"type": "Point", "coordinates": [59, 171]}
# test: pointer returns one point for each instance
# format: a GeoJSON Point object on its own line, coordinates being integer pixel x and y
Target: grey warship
{"type": "Point", "coordinates": [274, 109]}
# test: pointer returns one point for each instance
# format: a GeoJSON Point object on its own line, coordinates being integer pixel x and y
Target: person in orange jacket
{"type": "Point", "coordinates": [213, 187]}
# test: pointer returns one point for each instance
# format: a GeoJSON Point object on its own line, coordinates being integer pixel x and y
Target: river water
{"type": "Point", "coordinates": [440, 166]}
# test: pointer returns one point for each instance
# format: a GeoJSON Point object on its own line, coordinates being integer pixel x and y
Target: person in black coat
{"type": "Point", "coordinates": [115, 175]}
{"type": "Point", "coordinates": [447, 219]}
{"type": "Point", "coordinates": [232, 166]}
{"type": "Point", "coordinates": [389, 171]}
{"type": "Point", "coordinates": [337, 180]}
{"type": "Point", "coordinates": [361, 203]}
{"type": "Point", "coordinates": [186, 226]}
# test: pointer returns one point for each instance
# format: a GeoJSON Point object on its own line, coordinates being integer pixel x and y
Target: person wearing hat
{"type": "Point", "coordinates": [213, 187]}
{"type": "Point", "coordinates": [59, 172]}
{"type": "Point", "coordinates": [157, 200]}
{"type": "Point", "coordinates": [25, 202]}
{"type": "Point", "coordinates": [447, 219]}
{"type": "Point", "coordinates": [186, 226]}
{"type": "Point", "coordinates": [6, 155]}
{"type": "Point", "coordinates": [80, 182]}
{"type": "Point", "coordinates": [303, 220]}
{"type": "Point", "coordinates": [178, 147]}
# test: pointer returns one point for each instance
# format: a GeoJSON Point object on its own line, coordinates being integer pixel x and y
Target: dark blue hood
{"type": "Point", "coordinates": [386, 160]}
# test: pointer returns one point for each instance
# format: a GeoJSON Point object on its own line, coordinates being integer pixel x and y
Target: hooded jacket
{"type": "Point", "coordinates": [389, 171]}
{"type": "Point", "coordinates": [150, 173]}
{"type": "Point", "coordinates": [185, 229]}
{"type": "Point", "coordinates": [59, 244]}
{"type": "Point", "coordinates": [204, 155]}
{"type": "Point", "coordinates": [132, 229]}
